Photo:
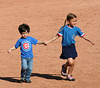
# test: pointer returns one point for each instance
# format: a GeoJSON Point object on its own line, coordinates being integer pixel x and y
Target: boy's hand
{"type": "Point", "coordinates": [9, 51]}
{"type": "Point", "coordinates": [13, 48]}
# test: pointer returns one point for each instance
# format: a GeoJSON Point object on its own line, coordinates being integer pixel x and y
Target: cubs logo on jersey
{"type": "Point", "coordinates": [26, 45]}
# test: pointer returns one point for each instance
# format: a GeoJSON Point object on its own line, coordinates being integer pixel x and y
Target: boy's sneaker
{"type": "Point", "coordinates": [27, 81]}
{"type": "Point", "coordinates": [22, 80]}
{"type": "Point", "coordinates": [63, 71]}
{"type": "Point", "coordinates": [69, 78]}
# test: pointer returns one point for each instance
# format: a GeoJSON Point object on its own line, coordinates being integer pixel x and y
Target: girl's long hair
{"type": "Point", "coordinates": [68, 18]}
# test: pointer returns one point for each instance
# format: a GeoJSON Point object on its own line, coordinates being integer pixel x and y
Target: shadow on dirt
{"type": "Point", "coordinates": [48, 76]}
{"type": "Point", "coordinates": [10, 79]}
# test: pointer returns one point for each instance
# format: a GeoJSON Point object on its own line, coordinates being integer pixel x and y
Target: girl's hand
{"type": "Point", "coordinates": [87, 39]}
{"type": "Point", "coordinates": [46, 42]}
{"type": "Point", "coordinates": [92, 43]}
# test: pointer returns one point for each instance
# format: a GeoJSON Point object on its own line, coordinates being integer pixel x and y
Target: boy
{"type": "Point", "coordinates": [25, 44]}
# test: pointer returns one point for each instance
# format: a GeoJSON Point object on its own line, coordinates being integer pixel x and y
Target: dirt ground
{"type": "Point", "coordinates": [45, 17]}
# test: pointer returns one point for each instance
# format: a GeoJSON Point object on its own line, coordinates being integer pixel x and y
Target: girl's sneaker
{"type": "Point", "coordinates": [63, 71]}
{"type": "Point", "coordinates": [70, 78]}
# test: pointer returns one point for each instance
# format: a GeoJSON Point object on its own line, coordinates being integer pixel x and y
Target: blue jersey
{"type": "Point", "coordinates": [26, 47]}
{"type": "Point", "coordinates": [68, 34]}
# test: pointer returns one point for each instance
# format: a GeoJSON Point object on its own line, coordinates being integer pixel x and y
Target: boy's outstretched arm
{"type": "Point", "coordinates": [11, 49]}
{"type": "Point", "coordinates": [87, 39]}
{"type": "Point", "coordinates": [52, 39]}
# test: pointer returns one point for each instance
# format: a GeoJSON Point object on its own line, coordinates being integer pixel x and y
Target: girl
{"type": "Point", "coordinates": [68, 33]}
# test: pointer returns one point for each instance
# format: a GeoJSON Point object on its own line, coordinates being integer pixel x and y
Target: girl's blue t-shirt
{"type": "Point", "coordinates": [68, 34]}
{"type": "Point", "coordinates": [26, 47]}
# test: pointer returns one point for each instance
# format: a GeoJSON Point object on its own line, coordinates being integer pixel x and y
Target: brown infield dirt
{"type": "Point", "coordinates": [45, 17]}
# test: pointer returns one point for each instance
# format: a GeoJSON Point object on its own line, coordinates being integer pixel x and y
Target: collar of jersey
{"type": "Point", "coordinates": [70, 27]}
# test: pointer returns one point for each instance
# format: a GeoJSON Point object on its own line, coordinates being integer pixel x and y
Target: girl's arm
{"type": "Point", "coordinates": [11, 49]}
{"type": "Point", "coordinates": [40, 42]}
{"type": "Point", "coordinates": [52, 39]}
{"type": "Point", "coordinates": [87, 39]}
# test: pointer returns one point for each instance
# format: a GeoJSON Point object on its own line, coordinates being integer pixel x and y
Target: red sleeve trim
{"type": "Point", "coordinates": [83, 35]}
{"type": "Point", "coordinates": [59, 34]}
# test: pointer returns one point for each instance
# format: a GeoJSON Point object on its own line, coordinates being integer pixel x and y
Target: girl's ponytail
{"type": "Point", "coordinates": [64, 23]}
{"type": "Point", "coordinates": [68, 18]}
{"type": "Point", "coordinates": [63, 26]}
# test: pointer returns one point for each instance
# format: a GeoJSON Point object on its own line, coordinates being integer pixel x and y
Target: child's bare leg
{"type": "Point", "coordinates": [64, 69]}
{"type": "Point", "coordinates": [66, 65]}
{"type": "Point", "coordinates": [71, 66]}
{"type": "Point", "coordinates": [71, 63]}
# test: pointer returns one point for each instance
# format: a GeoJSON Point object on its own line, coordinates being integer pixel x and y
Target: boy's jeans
{"type": "Point", "coordinates": [27, 67]}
